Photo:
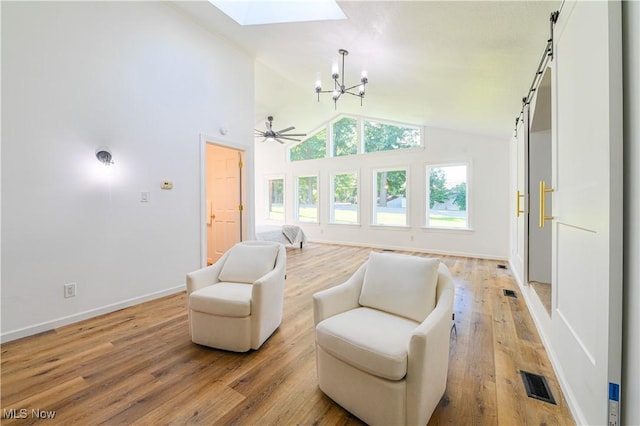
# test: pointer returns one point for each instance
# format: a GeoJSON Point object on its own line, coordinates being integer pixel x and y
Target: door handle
{"type": "Point", "coordinates": [543, 193]}
{"type": "Point", "coordinates": [213, 216]}
{"type": "Point", "coordinates": [518, 196]}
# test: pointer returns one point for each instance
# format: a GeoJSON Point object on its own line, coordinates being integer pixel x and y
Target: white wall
{"type": "Point", "coordinates": [631, 309]}
{"type": "Point", "coordinates": [488, 160]}
{"type": "Point", "coordinates": [142, 79]}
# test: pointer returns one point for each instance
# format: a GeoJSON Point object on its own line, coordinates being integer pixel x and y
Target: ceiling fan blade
{"type": "Point", "coordinates": [278, 140]}
{"type": "Point", "coordinates": [289, 139]}
{"type": "Point", "coordinates": [264, 140]}
{"type": "Point", "coordinates": [294, 134]}
{"type": "Point", "coordinates": [285, 130]}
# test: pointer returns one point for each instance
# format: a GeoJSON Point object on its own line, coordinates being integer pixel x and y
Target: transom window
{"type": "Point", "coordinates": [388, 137]}
{"type": "Point", "coordinates": [352, 136]}
{"type": "Point", "coordinates": [345, 137]}
{"type": "Point", "coordinates": [310, 148]}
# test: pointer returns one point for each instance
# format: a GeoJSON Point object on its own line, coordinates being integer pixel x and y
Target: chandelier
{"type": "Point", "coordinates": [339, 88]}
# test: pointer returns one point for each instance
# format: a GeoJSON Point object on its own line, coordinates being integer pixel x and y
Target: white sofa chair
{"type": "Point", "coordinates": [382, 339]}
{"type": "Point", "coordinates": [236, 303]}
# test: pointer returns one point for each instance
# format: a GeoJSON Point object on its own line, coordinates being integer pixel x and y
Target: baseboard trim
{"type": "Point", "coordinates": [408, 248]}
{"type": "Point", "coordinates": [59, 322]}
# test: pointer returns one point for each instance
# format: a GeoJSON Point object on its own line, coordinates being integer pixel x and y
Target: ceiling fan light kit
{"type": "Point", "coordinates": [279, 136]}
{"type": "Point", "coordinates": [339, 88]}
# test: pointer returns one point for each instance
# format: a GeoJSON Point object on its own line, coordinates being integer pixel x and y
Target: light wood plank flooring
{"type": "Point", "coordinates": [138, 365]}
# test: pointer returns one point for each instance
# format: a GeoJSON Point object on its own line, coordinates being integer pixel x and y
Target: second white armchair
{"type": "Point", "coordinates": [236, 303]}
{"type": "Point", "coordinates": [382, 339]}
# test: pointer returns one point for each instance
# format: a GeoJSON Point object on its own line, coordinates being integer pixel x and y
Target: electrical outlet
{"type": "Point", "coordinates": [70, 290]}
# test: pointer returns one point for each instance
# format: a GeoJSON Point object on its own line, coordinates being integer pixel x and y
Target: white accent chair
{"type": "Point", "coordinates": [236, 303]}
{"type": "Point", "coordinates": [382, 339]}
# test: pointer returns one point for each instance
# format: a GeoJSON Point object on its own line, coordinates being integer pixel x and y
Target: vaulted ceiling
{"type": "Point", "coordinates": [452, 64]}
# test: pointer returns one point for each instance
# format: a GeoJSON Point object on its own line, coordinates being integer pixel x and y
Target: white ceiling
{"type": "Point", "coordinates": [452, 64]}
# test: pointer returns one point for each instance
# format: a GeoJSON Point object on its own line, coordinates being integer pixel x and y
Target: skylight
{"type": "Point", "coordinates": [258, 12]}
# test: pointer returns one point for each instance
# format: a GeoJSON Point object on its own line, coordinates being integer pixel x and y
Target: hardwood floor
{"type": "Point", "coordinates": [138, 365]}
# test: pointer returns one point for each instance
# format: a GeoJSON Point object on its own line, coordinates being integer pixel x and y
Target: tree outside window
{"type": "Point", "coordinates": [344, 208]}
{"type": "Point", "coordinates": [390, 204]}
{"type": "Point", "coordinates": [307, 190]}
{"type": "Point", "coordinates": [310, 148]}
{"type": "Point", "coordinates": [276, 199]}
{"type": "Point", "coordinates": [345, 137]}
{"type": "Point", "coordinates": [447, 195]}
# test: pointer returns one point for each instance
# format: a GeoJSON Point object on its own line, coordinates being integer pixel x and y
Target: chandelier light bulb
{"type": "Point", "coordinates": [335, 73]}
{"type": "Point", "coordinates": [335, 95]}
{"type": "Point", "coordinates": [364, 77]}
{"type": "Point", "coordinates": [361, 89]}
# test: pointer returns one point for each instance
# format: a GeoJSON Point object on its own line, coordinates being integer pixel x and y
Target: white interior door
{"type": "Point", "coordinates": [587, 207]}
{"type": "Point", "coordinates": [223, 200]}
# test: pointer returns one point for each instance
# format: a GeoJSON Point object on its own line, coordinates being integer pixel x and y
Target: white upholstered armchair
{"type": "Point", "coordinates": [382, 339]}
{"type": "Point", "coordinates": [236, 303]}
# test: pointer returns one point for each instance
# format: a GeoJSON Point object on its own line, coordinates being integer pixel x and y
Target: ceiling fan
{"type": "Point", "coordinates": [271, 135]}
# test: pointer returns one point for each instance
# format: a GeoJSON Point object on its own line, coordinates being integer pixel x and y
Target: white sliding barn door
{"type": "Point", "coordinates": [587, 206]}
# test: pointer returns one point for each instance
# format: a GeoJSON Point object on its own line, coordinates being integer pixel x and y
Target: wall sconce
{"type": "Point", "coordinates": [104, 156]}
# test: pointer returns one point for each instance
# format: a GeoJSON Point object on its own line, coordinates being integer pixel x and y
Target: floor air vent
{"type": "Point", "coordinates": [509, 293]}
{"type": "Point", "coordinates": [502, 266]}
{"type": "Point", "coordinates": [537, 387]}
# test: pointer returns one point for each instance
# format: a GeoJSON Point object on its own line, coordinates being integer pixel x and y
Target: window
{"type": "Point", "coordinates": [387, 137]}
{"type": "Point", "coordinates": [275, 187]}
{"type": "Point", "coordinates": [307, 190]}
{"type": "Point", "coordinates": [344, 206]}
{"type": "Point", "coordinates": [390, 202]}
{"type": "Point", "coordinates": [310, 148]}
{"type": "Point", "coordinates": [345, 137]}
{"type": "Point", "coordinates": [447, 196]}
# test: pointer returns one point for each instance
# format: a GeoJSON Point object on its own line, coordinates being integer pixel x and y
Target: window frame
{"type": "Point", "coordinates": [332, 175]}
{"type": "Point", "coordinates": [427, 193]}
{"type": "Point", "coordinates": [374, 195]}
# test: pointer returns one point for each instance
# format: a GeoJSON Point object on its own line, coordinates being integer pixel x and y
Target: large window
{"type": "Point", "coordinates": [387, 137]}
{"type": "Point", "coordinates": [307, 194]}
{"type": "Point", "coordinates": [310, 148]}
{"type": "Point", "coordinates": [344, 205]}
{"type": "Point", "coordinates": [390, 201]}
{"type": "Point", "coordinates": [275, 187]}
{"type": "Point", "coordinates": [447, 196]}
{"type": "Point", "coordinates": [344, 137]}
